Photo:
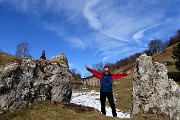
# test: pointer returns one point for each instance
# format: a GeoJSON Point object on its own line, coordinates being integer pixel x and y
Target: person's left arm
{"type": "Point", "coordinates": [120, 75]}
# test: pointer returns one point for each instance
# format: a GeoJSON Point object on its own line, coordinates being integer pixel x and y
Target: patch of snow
{"type": "Point", "coordinates": [84, 88]}
{"type": "Point", "coordinates": [92, 99]}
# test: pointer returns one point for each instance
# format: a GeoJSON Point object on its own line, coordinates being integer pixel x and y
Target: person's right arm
{"type": "Point", "coordinates": [94, 72]}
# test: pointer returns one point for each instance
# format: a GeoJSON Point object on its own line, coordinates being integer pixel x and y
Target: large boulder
{"type": "Point", "coordinates": [26, 81]}
{"type": "Point", "coordinates": [153, 91]}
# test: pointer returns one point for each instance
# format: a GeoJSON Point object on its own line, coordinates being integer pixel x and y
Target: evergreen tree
{"type": "Point", "coordinates": [43, 56]}
{"type": "Point", "coordinates": [173, 40]}
{"type": "Point", "coordinates": [176, 55]}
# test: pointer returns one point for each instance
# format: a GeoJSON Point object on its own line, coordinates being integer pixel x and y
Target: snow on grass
{"type": "Point", "coordinates": [92, 99]}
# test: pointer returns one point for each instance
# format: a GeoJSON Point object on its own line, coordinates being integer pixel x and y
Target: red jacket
{"type": "Point", "coordinates": [99, 74]}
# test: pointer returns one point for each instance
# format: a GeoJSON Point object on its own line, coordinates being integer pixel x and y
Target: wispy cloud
{"type": "Point", "coordinates": [77, 42]}
{"type": "Point", "coordinates": [112, 27]}
{"type": "Point", "coordinates": [132, 23]}
{"type": "Point", "coordinates": [91, 15]}
{"type": "Point", "coordinates": [58, 16]}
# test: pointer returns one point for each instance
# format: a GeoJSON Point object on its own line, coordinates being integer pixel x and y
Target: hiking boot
{"type": "Point", "coordinates": [115, 115]}
{"type": "Point", "coordinates": [103, 113]}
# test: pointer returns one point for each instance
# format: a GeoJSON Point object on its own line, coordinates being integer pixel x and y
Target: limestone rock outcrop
{"type": "Point", "coordinates": [153, 90]}
{"type": "Point", "coordinates": [26, 81]}
{"type": "Point", "coordinates": [61, 57]}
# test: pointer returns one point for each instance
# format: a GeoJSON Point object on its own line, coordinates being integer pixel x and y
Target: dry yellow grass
{"type": "Point", "coordinates": [57, 61]}
{"type": "Point", "coordinates": [55, 111]}
{"type": "Point", "coordinates": [6, 58]}
{"type": "Point", "coordinates": [165, 55]}
{"type": "Point", "coordinates": [123, 89]}
{"type": "Point", "coordinates": [51, 61]}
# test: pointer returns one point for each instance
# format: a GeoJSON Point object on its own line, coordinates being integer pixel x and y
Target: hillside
{"type": "Point", "coordinates": [124, 85]}
{"type": "Point", "coordinates": [161, 57]}
{"type": "Point", "coordinates": [6, 58]}
{"type": "Point", "coordinates": [164, 56]}
{"type": "Point", "coordinates": [122, 88]}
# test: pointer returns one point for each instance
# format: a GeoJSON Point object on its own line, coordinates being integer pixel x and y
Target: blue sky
{"type": "Point", "coordinates": [87, 31]}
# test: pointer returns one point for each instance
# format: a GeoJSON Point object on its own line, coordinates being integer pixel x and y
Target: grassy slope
{"type": "Point", "coordinates": [166, 55]}
{"type": "Point", "coordinates": [6, 58]}
{"type": "Point", "coordinates": [122, 87]}
{"type": "Point", "coordinates": [55, 111]}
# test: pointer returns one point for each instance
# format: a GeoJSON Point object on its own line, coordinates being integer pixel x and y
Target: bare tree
{"type": "Point", "coordinates": [165, 45]}
{"type": "Point", "coordinates": [178, 35]}
{"type": "Point", "coordinates": [172, 41]}
{"type": "Point", "coordinates": [98, 67]}
{"type": "Point", "coordinates": [77, 77]}
{"type": "Point", "coordinates": [110, 65]}
{"type": "Point", "coordinates": [22, 50]}
{"type": "Point", "coordinates": [155, 46]}
{"type": "Point", "coordinates": [148, 52]}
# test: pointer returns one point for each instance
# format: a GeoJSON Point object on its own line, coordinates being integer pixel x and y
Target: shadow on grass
{"type": "Point", "coordinates": [175, 76]}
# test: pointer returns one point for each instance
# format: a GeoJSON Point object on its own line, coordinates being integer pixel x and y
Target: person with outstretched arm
{"type": "Point", "coordinates": [106, 79]}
